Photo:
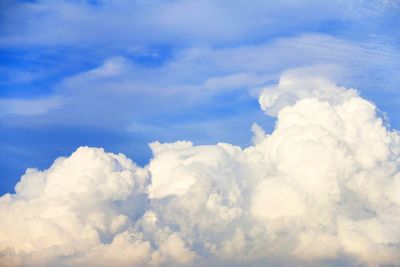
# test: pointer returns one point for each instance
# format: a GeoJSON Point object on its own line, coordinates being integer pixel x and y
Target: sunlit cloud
{"type": "Point", "coordinates": [199, 133]}
{"type": "Point", "coordinates": [321, 189]}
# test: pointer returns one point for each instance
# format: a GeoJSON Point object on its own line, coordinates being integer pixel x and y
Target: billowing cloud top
{"type": "Point", "coordinates": [321, 189]}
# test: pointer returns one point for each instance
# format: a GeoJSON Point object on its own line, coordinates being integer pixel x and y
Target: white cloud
{"type": "Point", "coordinates": [321, 189]}
{"type": "Point", "coordinates": [298, 84]}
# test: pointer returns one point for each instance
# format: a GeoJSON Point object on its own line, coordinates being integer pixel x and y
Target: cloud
{"type": "Point", "coordinates": [321, 189]}
{"type": "Point", "coordinates": [29, 107]}
{"type": "Point", "coordinates": [199, 77]}
{"type": "Point", "coordinates": [174, 22]}
{"type": "Point", "coordinates": [298, 84]}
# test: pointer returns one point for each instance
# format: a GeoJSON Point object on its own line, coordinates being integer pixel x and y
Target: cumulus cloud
{"type": "Point", "coordinates": [321, 189]}
{"type": "Point", "coordinates": [293, 87]}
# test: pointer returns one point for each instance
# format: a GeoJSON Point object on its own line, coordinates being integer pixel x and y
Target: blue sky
{"type": "Point", "coordinates": [120, 74]}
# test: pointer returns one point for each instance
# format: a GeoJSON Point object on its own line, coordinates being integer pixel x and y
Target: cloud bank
{"type": "Point", "coordinates": [322, 189]}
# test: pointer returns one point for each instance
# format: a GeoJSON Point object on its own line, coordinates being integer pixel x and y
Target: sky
{"type": "Point", "coordinates": [212, 86]}
{"type": "Point", "coordinates": [120, 74]}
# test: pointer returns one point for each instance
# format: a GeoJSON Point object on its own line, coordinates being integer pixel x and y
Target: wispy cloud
{"type": "Point", "coordinates": [124, 91]}
{"type": "Point", "coordinates": [174, 22]}
{"type": "Point", "coordinates": [29, 107]}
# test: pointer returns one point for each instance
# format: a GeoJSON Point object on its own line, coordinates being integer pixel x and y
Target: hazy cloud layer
{"type": "Point", "coordinates": [138, 23]}
{"type": "Point", "coordinates": [321, 189]}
